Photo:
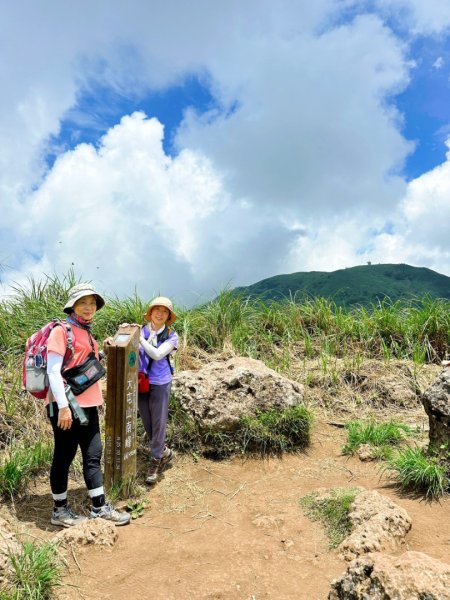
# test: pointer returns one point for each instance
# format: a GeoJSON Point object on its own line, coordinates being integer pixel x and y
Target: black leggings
{"type": "Point", "coordinates": [66, 445]}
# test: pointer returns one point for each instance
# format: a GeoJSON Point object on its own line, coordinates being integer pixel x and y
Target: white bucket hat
{"type": "Point", "coordinates": [80, 290]}
{"type": "Point", "coordinates": [162, 301]}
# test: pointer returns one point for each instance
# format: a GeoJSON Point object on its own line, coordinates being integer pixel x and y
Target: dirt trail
{"type": "Point", "coordinates": [234, 530]}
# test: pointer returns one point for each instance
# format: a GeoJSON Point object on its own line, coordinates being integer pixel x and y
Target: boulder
{"type": "Point", "coordinates": [436, 402]}
{"type": "Point", "coordinates": [377, 524]}
{"type": "Point", "coordinates": [220, 393]}
{"type": "Point", "coordinates": [411, 576]}
{"type": "Point", "coordinates": [91, 532]}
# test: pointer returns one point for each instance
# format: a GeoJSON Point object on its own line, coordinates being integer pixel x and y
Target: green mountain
{"type": "Point", "coordinates": [362, 285]}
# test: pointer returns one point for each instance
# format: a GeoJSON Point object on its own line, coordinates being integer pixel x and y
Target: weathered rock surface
{"type": "Point", "coordinates": [222, 392]}
{"type": "Point", "coordinates": [91, 532]}
{"type": "Point", "coordinates": [8, 543]}
{"type": "Point", "coordinates": [383, 386]}
{"type": "Point", "coordinates": [411, 576]}
{"type": "Point", "coordinates": [377, 524]}
{"type": "Point", "coordinates": [268, 521]}
{"type": "Point", "coordinates": [366, 452]}
{"type": "Point", "coordinates": [436, 402]}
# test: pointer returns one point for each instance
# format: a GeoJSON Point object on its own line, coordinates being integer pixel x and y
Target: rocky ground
{"type": "Point", "coordinates": [234, 529]}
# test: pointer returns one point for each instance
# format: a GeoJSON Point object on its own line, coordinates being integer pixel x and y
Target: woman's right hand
{"type": "Point", "coordinates": [65, 418]}
{"type": "Point", "coordinates": [106, 344]}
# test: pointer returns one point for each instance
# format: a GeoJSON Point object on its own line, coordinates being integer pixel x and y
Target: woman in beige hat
{"type": "Point", "coordinates": [75, 343]}
{"type": "Point", "coordinates": [157, 342]}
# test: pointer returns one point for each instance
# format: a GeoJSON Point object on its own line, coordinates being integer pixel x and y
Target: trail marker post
{"type": "Point", "coordinates": [121, 408]}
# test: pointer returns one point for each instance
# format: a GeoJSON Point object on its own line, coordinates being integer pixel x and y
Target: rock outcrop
{"type": "Point", "coordinates": [218, 395]}
{"type": "Point", "coordinates": [378, 524]}
{"type": "Point", "coordinates": [436, 402]}
{"type": "Point", "coordinates": [411, 576]}
{"type": "Point", "coordinates": [91, 532]}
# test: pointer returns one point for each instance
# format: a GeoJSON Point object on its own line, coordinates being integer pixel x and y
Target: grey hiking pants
{"type": "Point", "coordinates": [154, 411]}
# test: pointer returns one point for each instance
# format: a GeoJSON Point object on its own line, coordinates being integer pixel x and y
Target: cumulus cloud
{"type": "Point", "coordinates": [310, 132]}
{"type": "Point", "coordinates": [125, 214]}
{"type": "Point", "coordinates": [297, 168]}
{"type": "Point", "coordinates": [420, 235]}
{"type": "Point", "coordinates": [422, 17]}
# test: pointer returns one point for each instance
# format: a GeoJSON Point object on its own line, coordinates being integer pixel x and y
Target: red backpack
{"type": "Point", "coordinates": [34, 369]}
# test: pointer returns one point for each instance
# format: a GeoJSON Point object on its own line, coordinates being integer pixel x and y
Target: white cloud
{"type": "Point", "coordinates": [310, 132]}
{"type": "Point", "coordinates": [126, 213]}
{"type": "Point", "coordinates": [295, 171]}
{"type": "Point", "coordinates": [422, 17]}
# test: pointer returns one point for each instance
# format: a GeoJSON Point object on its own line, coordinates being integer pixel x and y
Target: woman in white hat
{"type": "Point", "coordinates": [75, 340]}
{"type": "Point", "coordinates": [157, 342]}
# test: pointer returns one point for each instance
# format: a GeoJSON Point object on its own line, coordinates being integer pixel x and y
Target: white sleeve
{"type": "Point", "coordinates": [54, 366]}
{"type": "Point", "coordinates": [156, 353]}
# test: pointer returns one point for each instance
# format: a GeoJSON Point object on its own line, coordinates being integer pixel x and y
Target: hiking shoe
{"type": "Point", "coordinates": [65, 517]}
{"type": "Point", "coordinates": [110, 514]}
{"type": "Point", "coordinates": [153, 470]}
{"type": "Point", "coordinates": [167, 456]}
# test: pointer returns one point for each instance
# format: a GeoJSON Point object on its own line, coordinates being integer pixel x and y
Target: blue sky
{"type": "Point", "coordinates": [98, 108]}
{"type": "Point", "coordinates": [425, 105]}
{"type": "Point", "coordinates": [225, 144]}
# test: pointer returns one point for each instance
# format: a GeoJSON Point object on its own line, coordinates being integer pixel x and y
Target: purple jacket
{"type": "Point", "coordinates": [159, 373]}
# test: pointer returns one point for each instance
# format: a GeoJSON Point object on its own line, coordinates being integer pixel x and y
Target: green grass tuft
{"type": "Point", "coordinates": [20, 464]}
{"type": "Point", "coordinates": [266, 432]}
{"type": "Point", "coordinates": [36, 572]}
{"type": "Point", "coordinates": [379, 435]}
{"type": "Point", "coordinates": [417, 469]}
{"type": "Point", "coordinates": [332, 511]}
{"type": "Point", "coordinates": [276, 430]}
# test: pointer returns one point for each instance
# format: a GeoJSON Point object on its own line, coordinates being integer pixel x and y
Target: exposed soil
{"type": "Point", "coordinates": [234, 529]}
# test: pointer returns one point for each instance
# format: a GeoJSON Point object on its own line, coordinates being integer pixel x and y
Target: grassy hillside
{"type": "Point", "coordinates": [364, 285]}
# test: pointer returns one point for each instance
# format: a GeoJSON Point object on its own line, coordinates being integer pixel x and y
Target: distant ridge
{"type": "Point", "coordinates": [363, 285]}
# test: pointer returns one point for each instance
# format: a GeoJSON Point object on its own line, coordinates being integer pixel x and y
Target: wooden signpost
{"type": "Point", "coordinates": [121, 408]}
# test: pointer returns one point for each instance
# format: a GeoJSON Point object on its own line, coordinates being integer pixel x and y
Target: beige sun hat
{"type": "Point", "coordinates": [162, 301]}
{"type": "Point", "coordinates": [80, 290]}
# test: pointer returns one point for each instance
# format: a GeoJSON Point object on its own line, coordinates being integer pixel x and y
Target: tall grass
{"type": "Point", "coordinates": [30, 306]}
{"type": "Point", "coordinates": [35, 572]}
{"type": "Point", "coordinates": [20, 463]}
{"type": "Point", "coordinates": [274, 332]}
{"type": "Point", "coordinates": [418, 330]}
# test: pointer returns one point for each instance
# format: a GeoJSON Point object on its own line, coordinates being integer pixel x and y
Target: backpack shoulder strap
{"type": "Point", "coordinates": [163, 336]}
{"type": "Point", "coordinates": [70, 348]}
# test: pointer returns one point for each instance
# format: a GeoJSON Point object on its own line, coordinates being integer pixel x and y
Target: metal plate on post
{"type": "Point", "coordinates": [121, 407]}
